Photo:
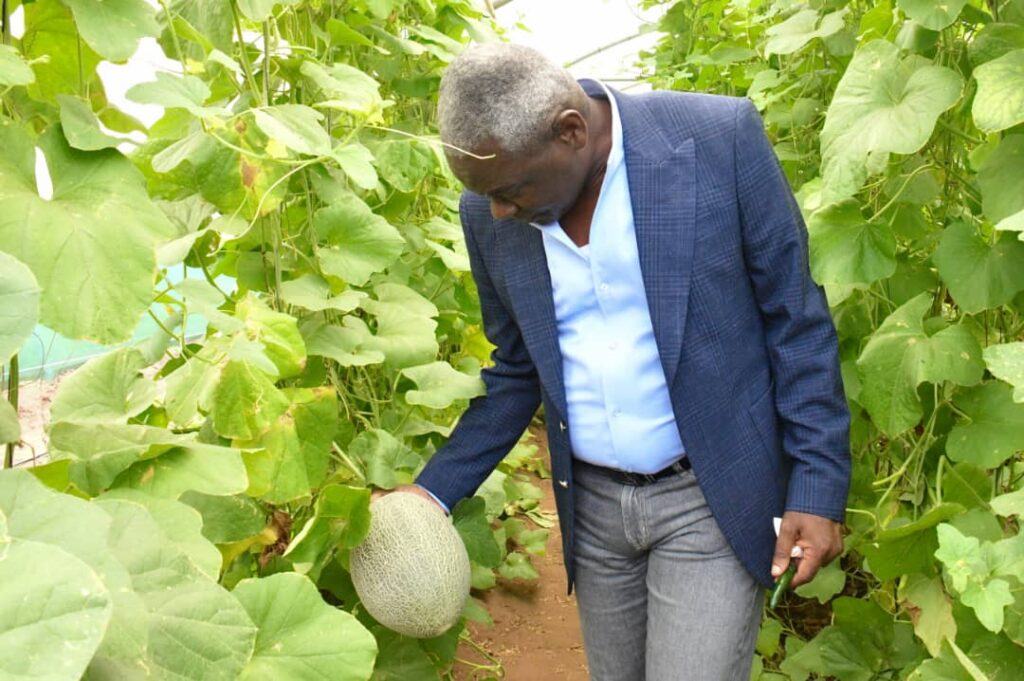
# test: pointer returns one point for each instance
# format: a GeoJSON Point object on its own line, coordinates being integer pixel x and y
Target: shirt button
{"type": "Point", "coordinates": [603, 288]}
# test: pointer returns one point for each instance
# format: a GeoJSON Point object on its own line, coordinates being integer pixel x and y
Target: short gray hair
{"type": "Point", "coordinates": [502, 93]}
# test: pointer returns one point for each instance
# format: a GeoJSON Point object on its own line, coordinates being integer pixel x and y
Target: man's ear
{"type": "Point", "coordinates": [571, 127]}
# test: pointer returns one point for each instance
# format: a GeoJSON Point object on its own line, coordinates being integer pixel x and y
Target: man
{"type": "Point", "coordinates": [642, 271]}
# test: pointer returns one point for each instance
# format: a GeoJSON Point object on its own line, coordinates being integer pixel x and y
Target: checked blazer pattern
{"type": "Point", "coordinates": [743, 332]}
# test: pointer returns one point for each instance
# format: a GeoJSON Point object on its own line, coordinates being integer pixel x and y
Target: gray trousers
{"type": "Point", "coordinates": [661, 594]}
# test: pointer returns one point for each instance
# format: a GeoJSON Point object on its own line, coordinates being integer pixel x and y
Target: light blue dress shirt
{"type": "Point", "coordinates": [620, 413]}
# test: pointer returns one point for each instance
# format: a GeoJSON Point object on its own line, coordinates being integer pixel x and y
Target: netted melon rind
{"type": "Point", "coordinates": [411, 572]}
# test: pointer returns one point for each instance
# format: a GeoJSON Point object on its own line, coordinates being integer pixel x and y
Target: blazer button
{"type": "Point", "coordinates": [561, 426]}
{"type": "Point", "coordinates": [563, 483]}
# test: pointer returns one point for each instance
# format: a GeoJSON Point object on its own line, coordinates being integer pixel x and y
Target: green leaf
{"type": "Point", "coordinates": [829, 581]}
{"type": "Point", "coordinates": [299, 443]}
{"type": "Point", "coordinates": [988, 600]}
{"type": "Point", "coordinates": [401, 658]}
{"type": "Point", "coordinates": [313, 293]}
{"type": "Point", "coordinates": [81, 127]}
{"type": "Point", "coordinates": [930, 611]}
{"type": "Point", "coordinates": [968, 570]}
{"type": "Point", "coordinates": [106, 389]}
{"type": "Point", "coordinates": [201, 468]}
{"type": "Point", "coordinates": [226, 519]}
{"type": "Point", "coordinates": [470, 519]}
{"type": "Point", "coordinates": [343, 345]}
{"type": "Point", "coordinates": [10, 428]}
{"type": "Point", "coordinates": [345, 87]}
{"type": "Point", "coordinates": [518, 566]}
{"type": "Point", "coordinates": [1001, 178]}
{"type": "Point", "coordinates": [934, 16]}
{"type": "Point", "coordinates": [768, 637]}
{"type": "Point", "coordinates": [357, 162]}
{"type": "Point", "coordinates": [19, 305]}
{"type": "Point", "coordinates": [403, 163]}
{"type": "Point", "coordinates": [295, 126]}
{"type": "Point", "coordinates": [195, 629]}
{"type": "Point", "coordinates": [91, 246]}
{"type": "Point", "coordinates": [1011, 503]}
{"type": "Point", "coordinates": [245, 402]}
{"type": "Point", "coordinates": [847, 249]}
{"type": "Point", "coordinates": [980, 276]}
{"type": "Point", "coordinates": [882, 104]}
{"type": "Point", "coordinates": [405, 328]}
{"type": "Point", "coordinates": [98, 452]}
{"type": "Point", "coordinates": [176, 92]}
{"type": "Point", "coordinates": [341, 520]}
{"type": "Point", "coordinates": [801, 28]}
{"type": "Point", "coordinates": [356, 242]}
{"type": "Point", "coordinates": [1006, 362]}
{"type": "Point", "coordinates": [993, 41]}
{"type": "Point", "coordinates": [439, 385]}
{"type": "Point", "coordinates": [113, 27]}
{"type": "Point", "coordinates": [54, 611]}
{"type": "Point", "coordinates": [999, 102]}
{"type": "Point", "coordinates": [910, 547]}
{"type": "Point", "coordinates": [13, 69]}
{"type": "Point", "coordinates": [900, 356]}
{"type": "Point", "coordinates": [386, 461]}
{"type": "Point", "coordinates": [995, 430]}
{"type": "Point", "coordinates": [60, 59]}
{"type": "Point", "coordinates": [277, 332]}
{"type": "Point", "coordinates": [300, 637]}
{"type": "Point", "coordinates": [181, 525]}
{"type": "Point", "coordinates": [948, 666]}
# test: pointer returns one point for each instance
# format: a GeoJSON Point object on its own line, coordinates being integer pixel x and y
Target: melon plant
{"type": "Point", "coordinates": [412, 570]}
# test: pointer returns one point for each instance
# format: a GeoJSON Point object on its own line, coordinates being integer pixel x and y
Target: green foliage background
{"type": "Point", "coordinates": [900, 124]}
{"type": "Point", "coordinates": [204, 493]}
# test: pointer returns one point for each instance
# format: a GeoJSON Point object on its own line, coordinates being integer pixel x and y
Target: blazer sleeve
{"type": "Point", "coordinates": [801, 338]}
{"type": "Point", "coordinates": [494, 422]}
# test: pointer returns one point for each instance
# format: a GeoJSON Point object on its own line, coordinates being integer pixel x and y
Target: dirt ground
{"type": "Point", "coordinates": [536, 633]}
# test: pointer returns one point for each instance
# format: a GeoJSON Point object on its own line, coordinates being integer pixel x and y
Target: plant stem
{"type": "Point", "coordinates": [246, 64]}
{"type": "Point", "coordinates": [5, 28]}
{"type": "Point", "coordinates": [13, 381]}
{"type": "Point", "coordinates": [174, 33]}
{"type": "Point", "coordinates": [266, 63]}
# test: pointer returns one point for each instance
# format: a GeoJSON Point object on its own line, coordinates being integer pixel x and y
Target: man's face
{"type": "Point", "coordinates": [538, 186]}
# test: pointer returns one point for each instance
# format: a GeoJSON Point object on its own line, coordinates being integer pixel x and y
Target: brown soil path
{"type": "Point", "coordinates": [536, 633]}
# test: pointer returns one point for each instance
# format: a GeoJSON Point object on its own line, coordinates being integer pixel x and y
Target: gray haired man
{"type": "Point", "coordinates": [642, 271]}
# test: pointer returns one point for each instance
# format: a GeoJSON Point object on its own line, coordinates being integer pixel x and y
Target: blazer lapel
{"type": "Point", "coordinates": [529, 287]}
{"type": "Point", "coordinates": [662, 187]}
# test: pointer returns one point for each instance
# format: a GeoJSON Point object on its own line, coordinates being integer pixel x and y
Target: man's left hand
{"type": "Point", "coordinates": [820, 540]}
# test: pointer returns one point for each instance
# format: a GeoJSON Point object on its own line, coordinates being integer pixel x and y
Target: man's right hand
{"type": "Point", "coordinates": [411, 489]}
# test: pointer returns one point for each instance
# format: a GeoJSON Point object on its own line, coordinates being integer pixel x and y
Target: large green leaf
{"type": "Point", "coordinates": [277, 332]}
{"type": "Point", "coordinates": [295, 126]}
{"type": "Point", "coordinates": [933, 15]}
{"type": "Point", "coordinates": [54, 612]}
{"type": "Point", "coordinates": [245, 402]}
{"type": "Point", "coordinates": [341, 520]}
{"type": "Point", "coordinates": [344, 87]}
{"type": "Point", "coordinates": [439, 385]}
{"type": "Point", "coordinates": [200, 468]}
{"type": "Point", "coordinates": [300, 637]}
{"type": "Point", "coordinates": [933, 614]}
{"type": "Point", "coordinates": [1001, 178]}
{"type": "Point", "coordinates": [968, 568]}
{"type": "Point", "coordinates": [1006, 362]}
{"type": "Point", "coordinates": [980, 275]}
{"type": "Point", "coordinates": [847, 249]}
{"type": "Point", "coordinates": [999, 102]}
{"type": "Point", "coordinates": [313, 293]}
{"type": "Point", "coordinates": [106, 389]}
{"type": "Point", "coordinates": [176, 92]}
{"type": "Point", "coordinates": [91, 246]}
{"type": "Point", "coordinates": [470, 519]}
{"type": "Point", "coordinates": [299, 443]}
{"type": "Point", "coordinates": [195, 629]}
{"type": "Point", "coordinates": [882, 104]}
{"type": "Point", "coordinates": [13, 69]}
{"type": "Point", "coordinates": [81, 127]}
{"type": "Point", "coordinates": [387, 462]}
{"type": "Point", "coordinates": [404, 326]}
{"type": "Point", "coordinates": [19, 305]}
{"type": "Point", "coordinates": [227, 519]}
{"type": "Point", "coordinates": [909, 547]}
{"type": "Point", "coordinates": [65, 61]}
{"type": "Point", "coordinates": [403, 163]}
{"type": "Point", "coordinates": [801, 28]}
{"type": "Point", "coordinates": [900, 356]}
{"type": "Point", "coordinates": [344, 345]}
{"type": "Point", "coordinates": [356, 242]}
{"type": "Point", "coordinates": [995, 429]}
{"type": "Point", "coordinates": [113, 27]}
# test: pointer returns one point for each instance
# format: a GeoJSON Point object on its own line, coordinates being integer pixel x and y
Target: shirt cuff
{"type": "Point", "coordinates": [434, 497]}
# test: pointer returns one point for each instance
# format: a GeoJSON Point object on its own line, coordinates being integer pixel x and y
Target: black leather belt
{"type": "Point", "coordinates": [638, 479]}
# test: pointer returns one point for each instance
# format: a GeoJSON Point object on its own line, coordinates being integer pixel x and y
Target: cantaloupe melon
{"type": "Point", "coordinates": [412, 571]}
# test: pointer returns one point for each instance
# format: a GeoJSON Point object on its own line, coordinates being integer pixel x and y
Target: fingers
{"type": "Point", "coordinates": [784, 546]}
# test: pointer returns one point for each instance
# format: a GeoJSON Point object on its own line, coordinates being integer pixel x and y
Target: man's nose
{"type": "Point", "coordinates": [502, 209]}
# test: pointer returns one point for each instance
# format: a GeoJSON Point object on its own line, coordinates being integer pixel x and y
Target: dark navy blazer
{"type": "Point", "coordinates": [744, 334]}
